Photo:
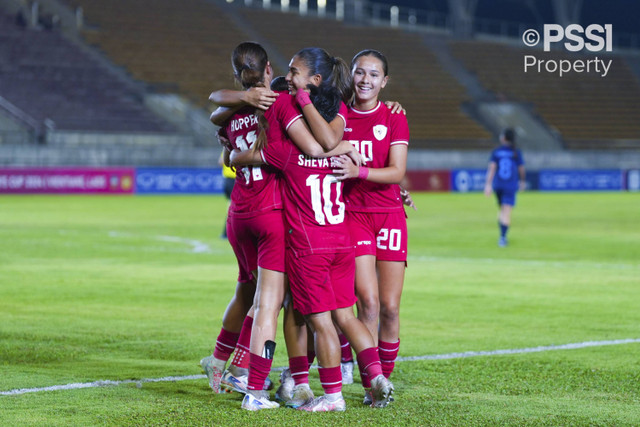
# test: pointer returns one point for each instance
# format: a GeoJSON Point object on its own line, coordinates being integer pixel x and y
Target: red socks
{"type": "Point", "coordinates": [369, 365]}
{"type": "Point", "coordinates": [225, 344]}
{"type": "Point", "coordinates": [331, 379]}
{"type": "Point", "coordinates": [388, 355]}
{"type": "Point", "coordinates": [241, 358]}
{"type": "Point", "coordinates": [346, 349]}
{"type": "Point", "coordinates": [259, 369]}
{"type": "Point", "coordinates": [299, 367]}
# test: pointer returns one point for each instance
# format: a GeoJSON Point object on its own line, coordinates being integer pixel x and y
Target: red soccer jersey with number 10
{"type": "Point", "coordinates": [257, 188]}
{"type": "Point", "coordinates": [373, 133]}
{"type": "Point", "coordinates": [314, 209]}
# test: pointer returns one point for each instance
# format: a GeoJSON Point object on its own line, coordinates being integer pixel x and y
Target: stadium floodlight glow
{"type": "Point", "coordinates": [340, 10]}
{"type": "Point", "coordinates": [395, 15]}
{"type": "Point", "coordinates": [322, 7]}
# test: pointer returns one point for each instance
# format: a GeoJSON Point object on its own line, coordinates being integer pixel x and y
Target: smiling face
{"type": "Point", "coordinates": [299, 76]}
{"type": "Point", "coordinates": [368, 80]}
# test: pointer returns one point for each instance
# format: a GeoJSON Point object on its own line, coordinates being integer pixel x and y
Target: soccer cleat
{"type": "Point", "coordinates": [230, 382]}
{"type": "Point", "coordinates": [300, 395]}
{"type": "Point", "coordinates": [381, 391]}
{"type": "Point", "coordinates": [285, 391]}
{"type": "Point", "coordinates": [322, 404]}
{"type": "Point", "coordinates": [502, 242]}
{"type": "Point", "coordinates": [212, 369]}
{"type": "Point", "coordinates": [268, 384]}
{"type": "Point", "coordinates": [368, 400]}
{"type": "Point", "coordinates": [347, 372]}
{"type": "Point", "coordinates": [252, 402]}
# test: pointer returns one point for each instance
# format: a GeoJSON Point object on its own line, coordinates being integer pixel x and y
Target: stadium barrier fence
{"type": "Point", "coordinates": [143, 180]}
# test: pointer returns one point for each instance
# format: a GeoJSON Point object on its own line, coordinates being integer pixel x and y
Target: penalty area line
{"type": "Point", "coordinates": [138, 383]}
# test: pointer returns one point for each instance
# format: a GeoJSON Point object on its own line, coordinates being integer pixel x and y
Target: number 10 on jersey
{"type": "Point", "coordinates": [321, 190]}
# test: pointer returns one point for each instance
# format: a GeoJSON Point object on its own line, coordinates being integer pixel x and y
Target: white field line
{"type": "Point", "coordinates": [107, 383]}
{"type": "Point", "coordinates": [196, 246]}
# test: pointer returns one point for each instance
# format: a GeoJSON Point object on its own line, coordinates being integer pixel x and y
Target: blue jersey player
{"type": "Point", "coordinates": [505, 176]}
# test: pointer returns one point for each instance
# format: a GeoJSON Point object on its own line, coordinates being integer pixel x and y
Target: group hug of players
{"type": "Point", "coordinates": [317, 224]}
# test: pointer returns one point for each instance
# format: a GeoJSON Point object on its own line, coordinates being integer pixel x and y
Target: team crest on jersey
{"type": "Point", "coordinates": [379, 131]}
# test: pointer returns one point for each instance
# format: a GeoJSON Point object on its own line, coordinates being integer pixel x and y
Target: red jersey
{"type": "Point", "coordinates": [257, 188]}
{"type": "Point", "coordinates": [313, 205]}
{"type": "Point", "coordinates": [373, 133]}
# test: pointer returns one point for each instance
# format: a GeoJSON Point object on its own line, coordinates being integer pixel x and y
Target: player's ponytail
{"type": "Point", "coordinates": [333, 71]}
{"type": "Point", "coordinates": [249, 61]}
{"type": "Point", "coordinates": [342, 78]}
{"type": "Point", "coordinates": [263, 125]}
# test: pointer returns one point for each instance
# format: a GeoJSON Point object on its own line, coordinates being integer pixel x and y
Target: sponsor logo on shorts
{"type": "Point", "coordinates": [364, 242]}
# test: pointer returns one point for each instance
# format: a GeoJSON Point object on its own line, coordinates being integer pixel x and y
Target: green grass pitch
{"type": "Point", "coordinates": [117, 288]}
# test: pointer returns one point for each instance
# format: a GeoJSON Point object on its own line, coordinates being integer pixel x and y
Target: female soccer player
{"type": "Point", "coordinates": [505, 175]}
{"type": "Point", "coordinates": [377, 220]}
{"type": "Point", "coordinates": [254, 226]}
{"type": "Point", "coordinates": [311, 68]}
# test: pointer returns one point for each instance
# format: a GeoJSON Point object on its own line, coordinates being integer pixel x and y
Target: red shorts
{"type": "Point", "coordinates": [257, 242]}
{"type": "Point", "coordinates": [322, 282]}
{"type": "Point", "coordinates": [381, 234]}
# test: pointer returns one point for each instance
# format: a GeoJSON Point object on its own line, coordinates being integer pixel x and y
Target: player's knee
{"type": "Point", "coordinates": [389, 312]}
{"type": "Point", "coordinates": [369, 305]}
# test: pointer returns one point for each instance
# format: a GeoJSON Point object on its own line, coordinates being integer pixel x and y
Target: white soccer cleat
{"type": "Point", "coordinates": [300, 395]}
{"type": "Point", "coordinates": [230, 382]}
{"type": "Point", "coordinates": [347, 372]}
{"type": "Point", "coordinates": [213, 368]}
{"type": "Point", "coordinates": [381, 391]}
{"type": "Point", "coordinates": [322, 404]}
{"type": "Point", "coordinates": [252, 402]}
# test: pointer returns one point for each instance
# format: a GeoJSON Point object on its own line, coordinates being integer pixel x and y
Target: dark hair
{"type": "Point", "coordinates": [279, 84]}
{"type": "Point", "coordinates": [372, 52]}
{"type": "Point", "coordinates": [249, 61]}
{"type": "Point", "coordinates": [509, 135]}
{"type": "Point", "coordinates": [333, 70]}
{"type": "Point", "coordinates": [326, 99]}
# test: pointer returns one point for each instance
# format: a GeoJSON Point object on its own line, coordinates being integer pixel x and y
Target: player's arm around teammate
{"type": "Point", "coordinates": [374, 204]}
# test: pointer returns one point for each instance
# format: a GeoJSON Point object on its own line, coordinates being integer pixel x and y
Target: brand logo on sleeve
{"type": "Point", "coordinates": [379, 131]}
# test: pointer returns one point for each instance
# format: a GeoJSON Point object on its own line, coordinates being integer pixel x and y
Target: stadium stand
{"type": "Point", "coordinates": [431, 96]}
{"type": "Point", "coordinates": [185, 48]}
{"type": "Point", "coordinates": [585, 108]}
{"type": "Point", "coordinates": [182, 47]}
{"type": "Point", "coordinates": [51, 79]}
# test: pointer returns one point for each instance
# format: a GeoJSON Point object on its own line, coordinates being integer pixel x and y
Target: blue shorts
{"type": "Point", "coordinates": [506, 197]}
